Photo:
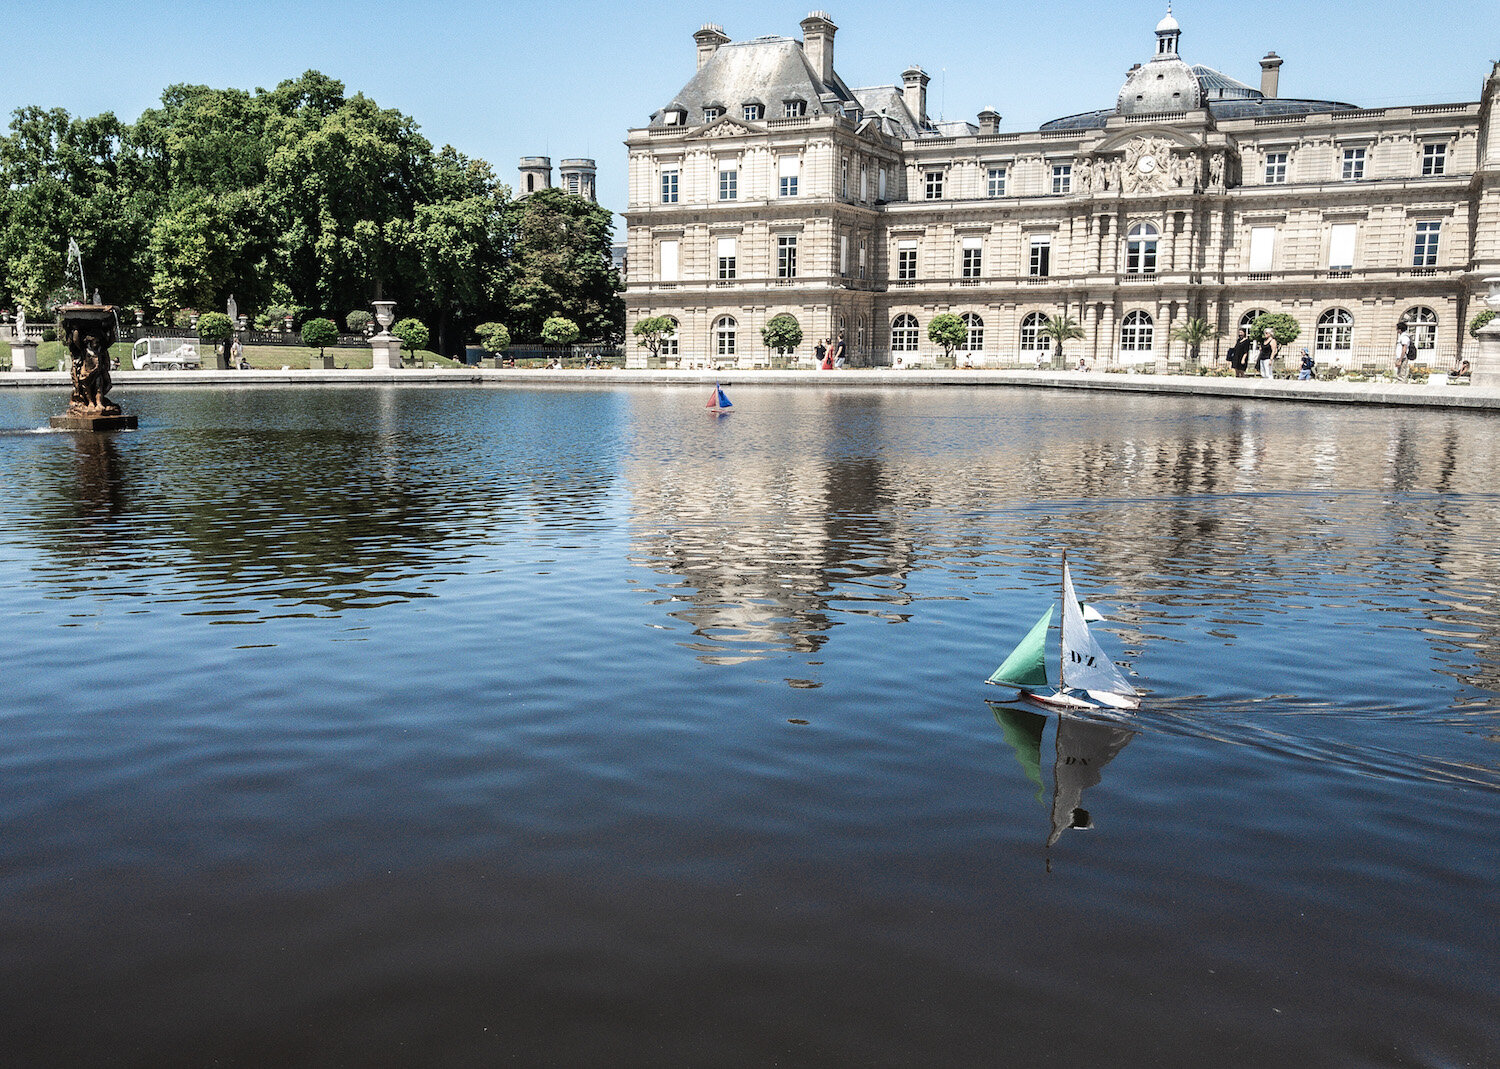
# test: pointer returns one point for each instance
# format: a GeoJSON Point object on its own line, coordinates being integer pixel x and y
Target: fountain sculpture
{"type": "Point", "coordinates": [88, 330]}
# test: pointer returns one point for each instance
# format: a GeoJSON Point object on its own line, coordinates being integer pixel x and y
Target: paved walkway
{"type": "Point", "coordinates": [1348, 393]}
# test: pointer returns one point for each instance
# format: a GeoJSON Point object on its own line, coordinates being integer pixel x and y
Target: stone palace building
{"type": "Point", "coordinates": [768, 185]}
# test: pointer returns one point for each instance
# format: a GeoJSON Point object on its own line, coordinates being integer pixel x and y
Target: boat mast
{"type": "Point", "coordinates": [1062, 627]}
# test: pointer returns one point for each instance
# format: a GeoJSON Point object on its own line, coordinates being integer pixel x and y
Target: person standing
{"type": "Point", "coordinates": [1268, 349]}
{"type": "Point", "coordinates": [819, 351]}
{"type": "Point", "coordinates": [1406, 352]}
{"type": "Point", "coordinates": [1307, 365]}
{"type": "Point", "coordinates": [1239, 353]}
{"type": "Point", "coordinates": [837, 355]}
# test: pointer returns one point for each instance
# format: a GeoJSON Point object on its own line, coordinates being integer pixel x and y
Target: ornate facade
{"type": "Point", "coordinates": [767, 185]}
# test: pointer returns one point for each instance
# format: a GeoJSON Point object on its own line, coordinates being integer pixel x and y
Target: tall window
{"type": "Point", "coordinates": [974, 339]}
{"type": "Point", "coordinates": [1275, 168]}
{"type": "Point", "coordinates": [1137, 333]}
{"type": "Point", "coordinates": [1041, 256]}
{"type": "Point", "coordinates": [882, 185]}
{"type": "Point", "coordinates": [844, 177]}
{"type": "Point", "coordinates": [726, 258]}
{"type": "Point", "coordinates": [1262, 249]}
{"type": "Point", "coordinates": [786, 256]}
{"type": "Point", "coordinates": [843, 255]}
{"type": "Point", "coordinates": [1425, 252]}
{"type": "Point", "coordinates": [1032, 338]}
{"type": "Point", "coordinates": [724, 331]}
{"type": "Point", "coordinates": [973, 263]}
{"type": "Point", "coordinates": [934, 185]}
{"type": "Point", "coordinates": [754, 112]}
{"type": "Point", "coordinates": [1341, 239]}
{"type": "Point", "coordinates": [794, 109]}
{"type": "Point", "coordinates": [789, 169]}
{"type": "Point", "coordinates": [669, 260]}
{"type": "Point", "coordinates": [864, 182]}
{"type": "Point", "coordinates": [906, 261]}
{"type": "Point", "coordinates": [1422, 322]}
{"type": "Point", "coordinates": [668, 344]}
{"type": "Point", "coordinates": [1354, 164]}
{"type": "Point", "coordinates": [1335, 332]}
{"type": "Point", "coordinates": [1140, 249]}
{"type": "Point", "coordinates": [863, 257]}
{"type": "Point", "coordinates": [904, 334]}
{"type": "Point", "coordinates": [1062, 178]}
{"type": "Point", "coordinates": [1248, 319]}
{"type": "Point", "coordinates": [996, 187]}
{"type": "Point", "coordinates": [729, 184]}
{"type": "Point", "coordinates": [669, 186]}
{"type": "Point", "coordinates": [1434, 160]}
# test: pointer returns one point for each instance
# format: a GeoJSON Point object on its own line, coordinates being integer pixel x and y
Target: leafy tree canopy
{"type": "Point", "coordinates": [948, 331]}
{"type": "Point", "coordinates": [493, 336]}
{"type": "Point", "coordinates": [413, 334]}
{"type": "Point", "coordinates": [1283, 327]}
{"type": "Point", "coordinates": [559, 331]}
{"type": "Point", "coordinates": [782, 333]}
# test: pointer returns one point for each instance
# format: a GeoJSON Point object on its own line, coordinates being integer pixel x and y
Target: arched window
{"type": "Point", "coordinates": [974, 343]}
{"type": "Point", "coordinates": [904, 334]}
{"type": "Point", "coordinates": [1423, 325]}
{"type": "Point", "coordinates": [1248, 319]}
{"type": "Point", "coordinates": [1335, 331]}
{"type": "Point", "coordinates": [724, 331]}
{"type": "Point", "coordinates": [668, 344]}
{"type": "Point", "coordinates": [1137, 333]}
{"type": "Point", "coordinates": [1140, 249]}
{"type": "Point", "coordinates": [1032, 339]}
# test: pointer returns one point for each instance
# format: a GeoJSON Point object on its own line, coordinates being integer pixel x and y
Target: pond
{"type": "Point", "coordinates": [574, 726]}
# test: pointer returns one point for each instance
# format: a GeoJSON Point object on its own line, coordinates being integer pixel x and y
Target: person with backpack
{"type": "Point", "coordinates": [1406, 352]}
{"type": "Point", "coordinates": [1307, 365]}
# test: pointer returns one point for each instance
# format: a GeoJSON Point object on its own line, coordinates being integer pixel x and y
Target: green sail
{"type": "Point", "coordinates": [1027, 664]}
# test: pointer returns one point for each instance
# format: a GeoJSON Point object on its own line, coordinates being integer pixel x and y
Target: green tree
{"type": "Point", "coordinates": [559, 331]}
{"type": "Point", "coordinates": [651, 330]}
{"type": "Point", "coordinates": [782, 333]}
{"type": "Point", "coordinates": [414, 336]}
{"type": "Point", "coordinates": [1060, 328]}
{"type": "Point", "coordinates": [217, 329]}
{"type": "Point", "coordinates": [1283, 327]}
{"type": "Point", "coordinates": [319, 332]}
{"type": "Point", "coordinates": [1194, 333]}
{"type": "Point", "coordinates": [493, 336]}
{"type": "Point", "coordinates": [562, 265]}
{"type": "Point", "coordinates": [947, 331]}
{"type": "Point", "coordinates": [358, 320]}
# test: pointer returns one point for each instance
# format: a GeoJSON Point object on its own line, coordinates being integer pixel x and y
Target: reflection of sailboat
{"type": "Point", "coordinates": [719, 404]}
{"type": "Point", "coordinates": [1083, 747]}
{"type": "Point", "coordinates": [1087, 678]}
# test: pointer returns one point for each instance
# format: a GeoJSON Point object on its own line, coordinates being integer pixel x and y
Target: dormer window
{"type": "Point", "coordinates": [793, 109]}
{"type": "Point", "coordinates": [754, 112]}
{"type": "Point", "coordinates": [674, 117]}
{"type": "Point", "coordinates": [712, 114]}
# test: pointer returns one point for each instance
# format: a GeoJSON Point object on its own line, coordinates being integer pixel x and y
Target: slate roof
{"type": "Point", "coordinates": [765, 70]}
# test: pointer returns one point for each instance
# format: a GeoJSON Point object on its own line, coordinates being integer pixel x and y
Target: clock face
{"type": "Point", "coordinates": [1147, 164]}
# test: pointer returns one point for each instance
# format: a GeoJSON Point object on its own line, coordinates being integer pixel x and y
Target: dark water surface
{"type": "Point", "coordinates": [399, 727]}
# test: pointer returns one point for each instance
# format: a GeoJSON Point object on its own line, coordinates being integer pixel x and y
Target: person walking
{"type": "Point", "coordinates": [1239, 353]}
{"type": "Point", "coordinates": [1307, 365]}
{"type": "Point", "coordinates": [1268, 349]}
{"type": "Point", "coordinates": [1406, 352]}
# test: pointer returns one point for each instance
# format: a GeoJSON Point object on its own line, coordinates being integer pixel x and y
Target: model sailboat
{"type": "Point", "coordinates": [1087, 678]}
{"type": "Point", "coordinates": [719, 403]}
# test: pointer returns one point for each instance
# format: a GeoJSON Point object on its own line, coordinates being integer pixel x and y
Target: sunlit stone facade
{"type": "Point", "coordinates": [768, 185]}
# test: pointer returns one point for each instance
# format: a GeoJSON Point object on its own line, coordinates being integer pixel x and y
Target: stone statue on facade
{"type": "Point", "coordinates": [1216, 170]}
{"type": "Point", "coordinates": [1084, 175]}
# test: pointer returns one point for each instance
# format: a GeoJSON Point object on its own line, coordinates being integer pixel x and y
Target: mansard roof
{"type": "Point", "coordinates": [765, 70]}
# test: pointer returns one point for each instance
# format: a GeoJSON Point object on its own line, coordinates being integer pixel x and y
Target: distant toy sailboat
{"type": "Point", "coordinates": [1087, 678]}
{"type": "Point", "coordinates": [719, 404]}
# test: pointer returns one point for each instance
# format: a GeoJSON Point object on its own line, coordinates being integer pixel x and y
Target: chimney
{"type": "Point", "coordinates": [817, 42]}
{"type": "Point", "coordinates": [914, 89]}
{"type": "Point", "coordinates": [709, 39]}
{"type": "Point", "coordinates": [989, 121]}
{"type": "Point", "coordinates": [1270, 75]}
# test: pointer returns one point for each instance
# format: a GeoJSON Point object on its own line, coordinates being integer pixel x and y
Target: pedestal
{"type": "Point", "coordinates": [1485, 367]}
{"type": "Point", "coordinates": [387, 351]}
{"type": "Point", "coordinates": [23, 356]}
{"type": "Point", "coordinates": [121, 422]}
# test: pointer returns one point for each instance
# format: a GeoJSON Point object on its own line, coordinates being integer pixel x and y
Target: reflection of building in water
{"type": "Point", "coordinates": [770, 553]}
{"type": "Point", "coordinates": [1083, 748]}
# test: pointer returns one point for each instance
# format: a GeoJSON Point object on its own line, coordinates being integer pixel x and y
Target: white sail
{"type": "Point", "coordinates": [1084, 664]}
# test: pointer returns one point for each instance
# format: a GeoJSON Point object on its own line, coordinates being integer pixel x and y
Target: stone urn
{"type": "Point", "coordinates": [385, 314]}
{"type": "Point", "coordinates": [386, 349]}
{"type": "Point", "coordinates": [1485, 367]}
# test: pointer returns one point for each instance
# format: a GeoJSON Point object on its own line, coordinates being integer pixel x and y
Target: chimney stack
{"type": "Point", "coordinates": [1270, 75]}
{"type": "Point", "coordinates": [817, 42]}
{"type": "Point", "coordinates": [914, 89]}
{"type": "Point", "coordinates": [709, 39]}
{"type": "Point", "coordinates": [989, 121]}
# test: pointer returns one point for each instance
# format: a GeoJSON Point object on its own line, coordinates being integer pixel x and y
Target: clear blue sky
{"type": "Point", "coordinates": [504, 80]}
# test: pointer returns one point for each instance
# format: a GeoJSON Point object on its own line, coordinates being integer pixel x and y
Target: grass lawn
{"type": "Point", "coordinates": [264, 357]}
